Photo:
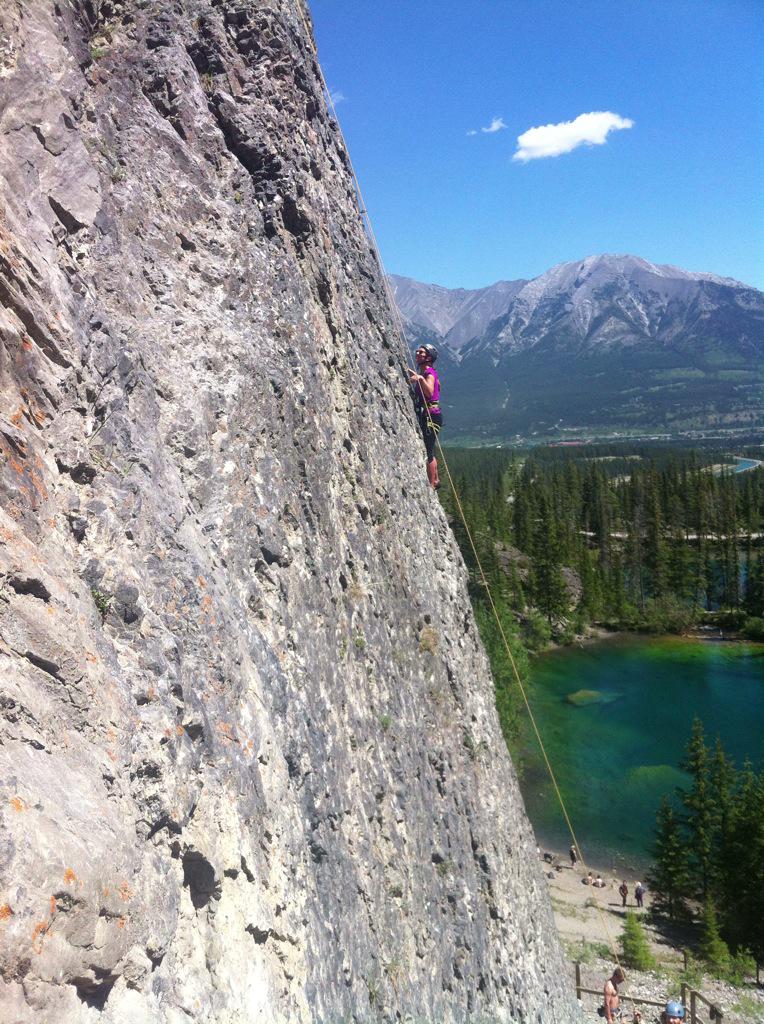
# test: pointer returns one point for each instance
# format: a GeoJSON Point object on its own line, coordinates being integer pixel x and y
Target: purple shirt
{"type": "Point", "coordinates": [432, 403]}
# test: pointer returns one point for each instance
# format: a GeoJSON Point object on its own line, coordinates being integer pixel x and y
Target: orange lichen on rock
{"type": "Point", "coordinates": [5, 912]}
{"type": "Point", "coordinates": [53, 906]}
{"type": "Point", "coordinates": [39, 932]}
{"type": "Point", "coordinates": [18, 804]}
{"type": "Point", "coordinates": [125, 892]}
{"type": "Point", "coordinates": [69, 877]}
{"type": "Point", "coordinates": [121, 922]}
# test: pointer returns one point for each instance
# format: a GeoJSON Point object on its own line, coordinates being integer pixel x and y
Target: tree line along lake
{"type": "Point", "coordinates": [615, 717]}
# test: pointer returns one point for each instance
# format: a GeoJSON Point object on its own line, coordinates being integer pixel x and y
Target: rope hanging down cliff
{"type": "Point", "coordinates": [405, 351]}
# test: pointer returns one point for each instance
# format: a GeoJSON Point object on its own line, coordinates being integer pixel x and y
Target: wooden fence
{"type": "Point", "coordinates": [690, 997]}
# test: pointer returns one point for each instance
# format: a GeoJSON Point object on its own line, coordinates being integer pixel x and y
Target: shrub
{"type": "Point", "coordinates": [713, 949]}
{"type": "Point", "coordinates": [538, 632]}
{"type": "Point", "coordinates": [753, 629]}
{"type": "Point", "coordinates": [635, 949]}
{"type": "Point", "coordinates": [742, 966]}
{"type": "Point", "coordinates": [428, 640]}
{"type": "Point", "coordinates": [101, 601]}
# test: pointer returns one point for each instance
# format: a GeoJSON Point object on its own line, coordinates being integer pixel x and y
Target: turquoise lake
{"type": "Point", "coordinates": [616, 751]}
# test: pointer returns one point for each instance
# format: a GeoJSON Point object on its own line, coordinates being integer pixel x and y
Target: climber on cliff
{"type": "Point", "coordinates": [425, 388]}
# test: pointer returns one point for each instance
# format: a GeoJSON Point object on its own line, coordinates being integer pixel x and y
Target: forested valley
{"type": "Point", "coordinates": [652, 539]}
{"type": "Point", "coordinates": [649, 539]}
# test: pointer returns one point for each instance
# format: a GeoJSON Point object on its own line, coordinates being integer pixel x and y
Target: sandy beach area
{"type": "Point", "coordinates": [590, 922]}
{"type": "Point", "coordinates": [595, 915]}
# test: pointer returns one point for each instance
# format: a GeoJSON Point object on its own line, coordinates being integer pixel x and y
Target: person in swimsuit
{"type": "Point", "coordinates": [612, 1002]}
{"type": "Point", "coordinates": [425, 388]}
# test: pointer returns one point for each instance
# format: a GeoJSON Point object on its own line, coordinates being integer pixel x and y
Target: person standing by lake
{"type": "Point", "coordinates": [623, 889]}
{"type": "Point", "coordinates": [639, 894]}
{"type": "Point", "coordinates": [573, 857]}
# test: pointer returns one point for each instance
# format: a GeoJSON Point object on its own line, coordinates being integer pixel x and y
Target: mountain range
{"type": "Point", "coordinates": [606, 344]}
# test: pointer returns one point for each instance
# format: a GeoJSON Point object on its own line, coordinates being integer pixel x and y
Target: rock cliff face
{"type": "Point", "coordinates": [250, 768]}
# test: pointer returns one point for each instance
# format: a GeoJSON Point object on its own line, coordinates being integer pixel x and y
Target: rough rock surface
{"type": "Point", "coordinates": [250, 768]}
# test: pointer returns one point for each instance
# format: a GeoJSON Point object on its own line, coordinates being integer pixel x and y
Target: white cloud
{"type": "Point", "coordinates": [495, 126]}
{"type": "Point", "coordinates": [554, 139]}
{"type": "Point", "coordinates": [336, 96]}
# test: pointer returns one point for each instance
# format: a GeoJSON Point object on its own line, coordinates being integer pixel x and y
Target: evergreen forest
{"type": "Point", "coordinates": [627, 538]}
{"type": "Point", "coordinates": [654, 539]}
{"type": "Point", "coordinates": [709, 852]}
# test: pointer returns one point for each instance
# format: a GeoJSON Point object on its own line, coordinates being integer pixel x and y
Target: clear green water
{"type": "Point", "coordinates": [615, 753]}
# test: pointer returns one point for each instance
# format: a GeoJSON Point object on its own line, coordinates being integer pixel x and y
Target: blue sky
{"type": "Point", "coordinates": [683, 185]}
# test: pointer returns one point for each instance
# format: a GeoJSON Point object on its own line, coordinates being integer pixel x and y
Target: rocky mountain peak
{"type": "Point", "coordinates": [611, 341]}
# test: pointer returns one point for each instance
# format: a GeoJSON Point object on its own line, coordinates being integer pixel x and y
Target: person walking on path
{"type": "Point", "coordinates": [425, 388]}
{"type": "Point", "coordinates": [573, 857]}
{"type": "Point", "coordinates": [639, 894]}
{"type": "Point", "coordinates": [623, 889]}
{"type": "Point", "coordinates": [612, 1000]}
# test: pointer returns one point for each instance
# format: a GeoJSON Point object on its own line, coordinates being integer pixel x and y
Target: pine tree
{"type": "Point", "coordinates": [635, 949]}
{"type": "Point", "coordinates": [713, 949]}
{"type": "Point", "coordinates": [722, 783]}
{"type": "Point", "coordinates": [741, 866]}
{"type": "Point", "coordinates": [655, 547]}
{"type": "Point", "coordinates": [548, 585]}
{"type": "Point", "coordinates": [668, 879]}
{"type": "Point", "coordinates": [699, 808]}
{"type": "Point", "coordinates": [754, 590]}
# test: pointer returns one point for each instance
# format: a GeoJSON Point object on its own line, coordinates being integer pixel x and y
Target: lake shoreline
{"type": "Point", "coordinates": [615, 759]}
{"type": "Point", "coordinates": [602, 635]}
{"type": "Point", "coordinates": [598, 865]}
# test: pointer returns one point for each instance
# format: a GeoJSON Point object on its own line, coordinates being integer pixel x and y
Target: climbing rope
{"type": "Point", "coordinates": [406, 352]}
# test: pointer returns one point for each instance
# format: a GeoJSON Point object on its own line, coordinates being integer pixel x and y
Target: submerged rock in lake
{"type": "Point", "coordinates": [583, 698]}
{"type": "Point", "coordinates": [664, 778]}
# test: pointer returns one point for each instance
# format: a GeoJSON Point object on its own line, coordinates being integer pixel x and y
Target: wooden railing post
{"type": "Point", "coordinates": [578, 979]}
{"type": "Point", "coordinates": [693, 1006]}
{"type": "Point", "coordinates": [684, 994]}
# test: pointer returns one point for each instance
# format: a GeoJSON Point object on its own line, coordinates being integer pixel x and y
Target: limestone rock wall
{"type": "Point", "coordinates": [250, 768]}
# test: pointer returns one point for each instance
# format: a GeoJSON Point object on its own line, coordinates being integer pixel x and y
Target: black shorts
{"type": "Point", "coordinates": [430, 427]}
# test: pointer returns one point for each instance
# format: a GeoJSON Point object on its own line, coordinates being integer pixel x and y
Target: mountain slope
{"type": "Point", "coordinates": [458, 315]}
{"type": "Point", "coordinates": [613, 342]}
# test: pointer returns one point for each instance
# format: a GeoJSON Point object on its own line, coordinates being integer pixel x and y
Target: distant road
{"type": "Point", "coordinates": [622, 535]}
